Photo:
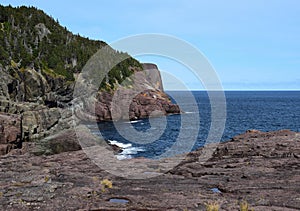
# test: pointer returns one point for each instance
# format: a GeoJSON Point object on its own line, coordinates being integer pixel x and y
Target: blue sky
{"type": "Point", "coordinates": [253, 45]}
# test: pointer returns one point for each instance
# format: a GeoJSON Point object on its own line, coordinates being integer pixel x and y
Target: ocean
{"type": "Point", "coordinates": [152, 138]}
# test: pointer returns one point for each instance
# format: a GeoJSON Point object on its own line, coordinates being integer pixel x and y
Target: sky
{"type": "Point", "coordinates": [252, 45]}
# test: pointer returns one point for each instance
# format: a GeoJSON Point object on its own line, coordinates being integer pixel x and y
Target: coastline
{"type": "Point", "coordinates": [261, 168]}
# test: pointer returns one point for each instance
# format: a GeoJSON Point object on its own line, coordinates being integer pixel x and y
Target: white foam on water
{"type": "Point", "coordinates": [128, 150]}
{"type": "Point", "coordinates": [190, 112]}
{"type": "Point", "coordinates": [132, 151]}
{"type": "Point", "coordinates": [123, 157]}
{"type": "Point", "coordinates": [121, 145]}
{"type": "Point", "coordinates": [132, 122]}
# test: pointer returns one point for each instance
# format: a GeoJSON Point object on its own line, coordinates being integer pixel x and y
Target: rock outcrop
{"type": "Point", "coordinates": [32, 105]}
{"type": "Point", "coordinates": [42, 102]}
{"type": "Point", "coordinates": [143, 98]}
{"type": "Point", "coordinates": [40, 62]}
{"type": "Point", "coordinates": [257, 167]}
{"type": "Point", "coordinates": [10, 133]}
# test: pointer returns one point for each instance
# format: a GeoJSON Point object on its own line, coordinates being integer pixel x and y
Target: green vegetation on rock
{"type": "Point", "coordinates": [29, 38]}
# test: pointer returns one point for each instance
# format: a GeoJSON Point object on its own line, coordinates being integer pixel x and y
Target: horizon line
{"type": "Point", "coordinates": [237, 90]}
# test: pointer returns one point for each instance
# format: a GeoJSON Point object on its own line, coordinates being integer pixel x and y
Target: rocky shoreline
{"type": "Point", "coordinates": [51, 79]}
{"type": "Point", "coordinates": [261, 168]}
{"type": "Point", "coordinates": [52, 107]}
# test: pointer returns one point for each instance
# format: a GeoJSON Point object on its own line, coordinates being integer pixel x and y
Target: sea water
{"type": "Point", "coordinates": [260, 110]}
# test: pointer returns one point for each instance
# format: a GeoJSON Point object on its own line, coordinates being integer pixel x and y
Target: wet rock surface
{"type": "Point", "coordinates": [260, 168]}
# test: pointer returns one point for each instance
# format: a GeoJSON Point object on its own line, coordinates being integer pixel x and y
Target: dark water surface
{"type": "Point", "coordinates": [261, 110]}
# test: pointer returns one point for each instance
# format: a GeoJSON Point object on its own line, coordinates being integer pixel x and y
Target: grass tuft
{"type": "Point", "coordinates": [106, 184]}
{"type": "Point", "coordinates": [212, 206]}
{"type": "Point", "coordinates": [244, 206]}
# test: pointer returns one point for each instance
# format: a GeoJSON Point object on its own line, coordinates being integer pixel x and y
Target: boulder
{"type": "Point", "coordinates": [65, 141]}
{"type": "Point", "coordinates": [10, 133]}
{"type": "Point", "coordinates": [37, 123]}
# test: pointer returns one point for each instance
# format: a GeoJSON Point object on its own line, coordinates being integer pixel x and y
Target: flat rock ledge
{"type": "Point", "coordinates": [261, 168]}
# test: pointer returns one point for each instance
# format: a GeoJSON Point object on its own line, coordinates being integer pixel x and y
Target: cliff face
{"type": "Point", "coordinates": [143, 98]}
{"type": "Point", "coordinates": [39, 102]}
{"type": "Point", "coordinates": [37, 107]}
{"type": "Point", "coordinates": [39, 63]}
{"type": "Point", "coordinates": [153, 76]}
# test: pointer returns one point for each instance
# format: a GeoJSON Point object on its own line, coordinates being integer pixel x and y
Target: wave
{"type": "Point", "coordinates": [123, 157]}
{"type": "Point", "coordinates": [190, 112]}
{"type": "Point", "coordinates": [132, 150]}
{"type": "Point", "coordinates": [121, 145]}
{"type": "Point", "coordinates": [132, 122]}
{"type": "Point", "coordinates": [128, 150]}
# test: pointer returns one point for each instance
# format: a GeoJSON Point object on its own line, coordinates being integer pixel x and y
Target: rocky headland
{"type": "Point", "coordinates": [40, 66]}
{"type": "Point", "coordinates": [44, 167]}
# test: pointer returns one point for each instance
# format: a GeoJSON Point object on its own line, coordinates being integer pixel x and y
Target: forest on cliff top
{"type": "Point", "coordinates": [29, 38]}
